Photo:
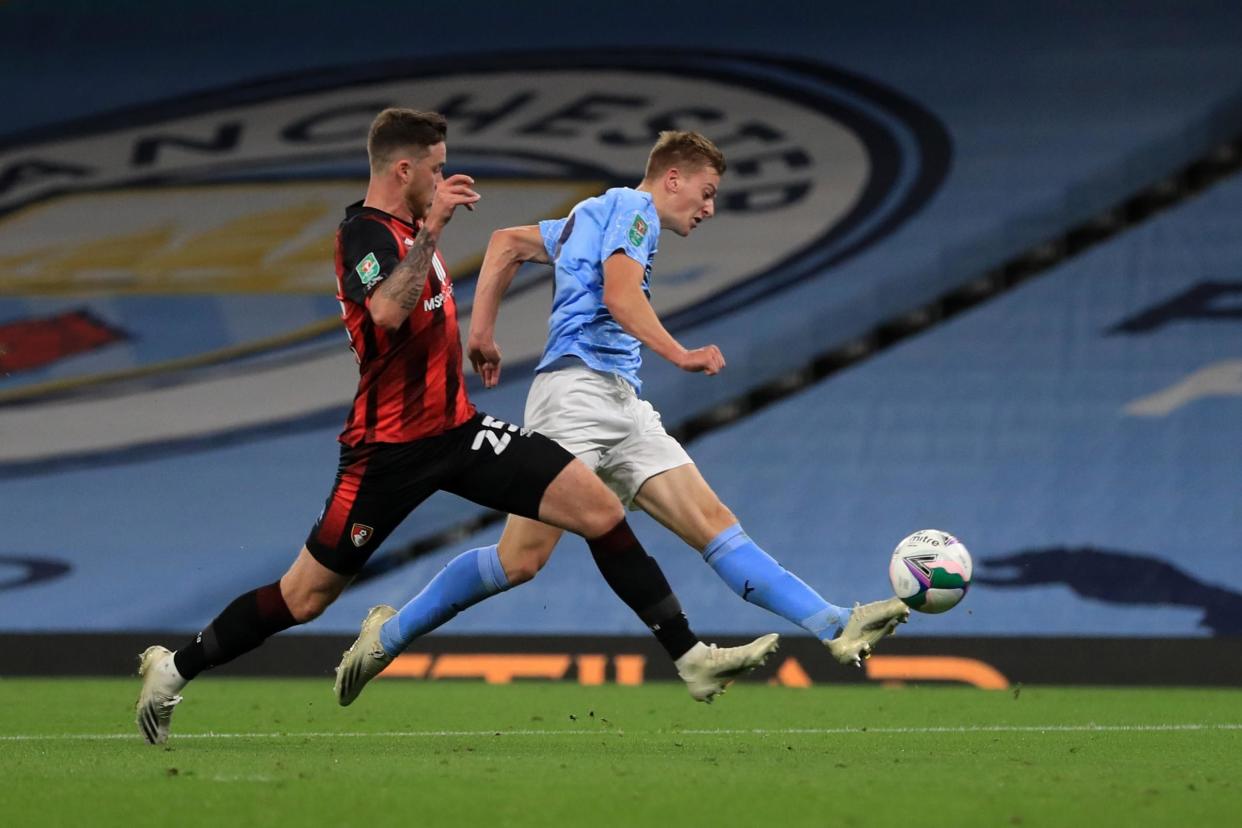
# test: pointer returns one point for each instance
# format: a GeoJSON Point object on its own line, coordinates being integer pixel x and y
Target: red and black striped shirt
{"type": "Point", "coordinates": [411, 384]}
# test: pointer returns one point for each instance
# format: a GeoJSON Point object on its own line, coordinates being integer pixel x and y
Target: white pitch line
{"type": "Point", "coordinates": [603, 731]}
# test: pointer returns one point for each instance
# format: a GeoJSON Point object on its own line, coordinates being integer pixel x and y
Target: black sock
{"type": "Point", "coordinates": [245, 624]}
{"type": "Point", "coordinates": [639, 582]}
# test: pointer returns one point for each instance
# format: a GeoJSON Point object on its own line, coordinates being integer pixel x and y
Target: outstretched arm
{"type": "Point", "coordinates": [506, 251]}
{"type": "Point", "coordinates": [625, 300]}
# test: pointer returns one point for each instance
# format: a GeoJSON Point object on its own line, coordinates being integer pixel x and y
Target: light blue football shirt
{"type": "Point", "coordinates": [621, 220]}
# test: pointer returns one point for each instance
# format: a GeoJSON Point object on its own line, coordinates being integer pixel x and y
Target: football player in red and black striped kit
{"type": "Point", "coordinates": [412, 431]}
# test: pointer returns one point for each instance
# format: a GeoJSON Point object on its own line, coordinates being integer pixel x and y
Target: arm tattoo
{"type": "Point", "coordinates": [406, 282]}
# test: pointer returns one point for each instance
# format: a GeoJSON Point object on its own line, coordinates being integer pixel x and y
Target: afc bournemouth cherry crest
{"type": "Point", "coordinates": [360, 533]}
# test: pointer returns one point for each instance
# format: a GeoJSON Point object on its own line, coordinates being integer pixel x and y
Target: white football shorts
{"type": "Point", "coordinates": [599, 419]}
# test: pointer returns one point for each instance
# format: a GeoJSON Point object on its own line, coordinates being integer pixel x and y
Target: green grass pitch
{"type": "Point", "coordinates": [280, 752]}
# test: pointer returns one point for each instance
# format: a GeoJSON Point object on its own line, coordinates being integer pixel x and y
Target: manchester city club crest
{"type": "Point", "coordinates": [219, 211]}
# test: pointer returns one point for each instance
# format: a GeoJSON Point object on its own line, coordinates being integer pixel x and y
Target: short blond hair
{"type": "Point", "coordinates": [687, 151]}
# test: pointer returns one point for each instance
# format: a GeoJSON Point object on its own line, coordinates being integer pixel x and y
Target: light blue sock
{"type": "Point", "coordinates": [754, 575]}
{"type": "Point", "coordinates": [466, 580]}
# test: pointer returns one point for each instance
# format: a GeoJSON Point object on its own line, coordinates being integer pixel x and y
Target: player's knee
{"type": "Point", "coordinates": [308, 606]}
{"type": "Point", "coordinates": [523, 555]}
{"type": "Point", "coordinates": [601, 517]}
{"type": "Point", "coordinates": [580, 502]}
{"type": "Point", "coordinates": [521, 571]}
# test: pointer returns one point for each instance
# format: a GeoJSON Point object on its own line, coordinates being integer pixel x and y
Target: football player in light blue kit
{"type": "Point", "coordinates": [585, 396]}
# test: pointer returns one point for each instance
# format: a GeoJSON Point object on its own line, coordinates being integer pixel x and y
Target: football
{"type": "Point", "coordinates": [930, 571]}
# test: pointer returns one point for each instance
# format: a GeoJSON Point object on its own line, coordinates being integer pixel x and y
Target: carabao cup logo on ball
{"type": "Point", "coordinates": [930, 571]}
{"type": "Point", "coordinates": [221, 208]}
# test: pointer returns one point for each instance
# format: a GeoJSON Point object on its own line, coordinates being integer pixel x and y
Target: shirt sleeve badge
{"type": "Point", "coordinates": [368, 270]}
{"type": "Point", "coordinates": [638, 231]}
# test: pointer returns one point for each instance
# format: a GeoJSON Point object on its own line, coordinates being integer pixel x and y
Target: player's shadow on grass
{"type": "Point", "coordinates": [1118, 578]}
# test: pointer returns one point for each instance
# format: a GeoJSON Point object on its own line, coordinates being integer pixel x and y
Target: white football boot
{"type": "Point", "coordinates": [161, 688]}
{"type": "Point", "coordinates": [365, 659]}
{"type": "Point", "coordinates": [867, 625]}
{"type": "Point", "coordinates": [708, 669]}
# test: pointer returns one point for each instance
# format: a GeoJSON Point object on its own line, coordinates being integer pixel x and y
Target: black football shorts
{"type": "Point", "coordinates": [484, 460]}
